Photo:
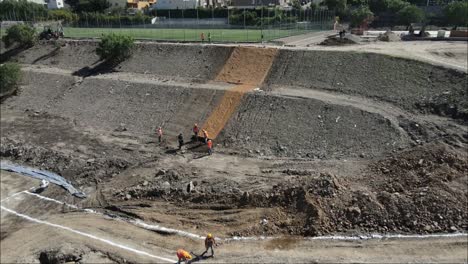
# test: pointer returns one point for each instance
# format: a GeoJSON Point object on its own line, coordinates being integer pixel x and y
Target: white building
{"type": "Point", "coordinates": [175, 4]}
{"type": "Point", "coordinates": [41, 2]}
{"type": "Point", "coordinates": [54, 4]}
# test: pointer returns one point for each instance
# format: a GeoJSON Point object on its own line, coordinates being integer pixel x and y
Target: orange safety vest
{"type": "Point", "coordinates": [195, 129]}
{"type": "Point", "coordinates": [182, 254]}
{"type": "Point", "coordinates": [210, 144]}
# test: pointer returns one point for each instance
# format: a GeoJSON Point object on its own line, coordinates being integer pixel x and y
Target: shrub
{"type": "Point", "coordinates": [361, 15]}
{"type": "Point", "coordinates": [23, 35]}
{"type": "Point", "coordinates": [456, 13]}
{"type": "Point", "coordinates": [410, 14]}
{"type": "Point", "coordinates": [10, 74]}
{"type": "Point", "coordinates": [62, 14]}
{"type": "Point", "coordinates": [114, 47]}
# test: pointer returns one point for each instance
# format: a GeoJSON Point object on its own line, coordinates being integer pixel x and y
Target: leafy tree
{"type": "Point", "coordinates": [296, 4]}
{"type": "Point", "coordinates": [456, 13]}
{"type": "Point", "coordinates": [21, 10]}
{"type": "Point", "coordinates": [378, 6]}
{"type": "Point", "coordinates": [361, 15]}
{"type": "Point", "coordinates": [73, 4]}
{"type": "Point", "coordinates": [410, 14]}
{"type": "Point", "coordinates": [115, 48]}
{"type": "Point", "coordinates": [357, 2]}
{"type": "Point", "coordinates": [23, 35]}
{"type": "Point", "coordinates": [10, 75]}
{"type": "Point", "coordinates": [98, 6]}
{"type": "Point", "coordinates": [338, 5]}
{"type": "Point", "coordinates": [64, 15]}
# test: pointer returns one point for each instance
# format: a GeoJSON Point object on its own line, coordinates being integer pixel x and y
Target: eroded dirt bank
{"type": "Point", "coordinates": [300, 158]}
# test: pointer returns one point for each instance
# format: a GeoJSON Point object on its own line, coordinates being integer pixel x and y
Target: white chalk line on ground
{"type": "Point", "coordinates": [87, 235]}
{"type": "Point", "coordinates": [151, 227]}
{"type": "Point", "coordinates": [11, 196]}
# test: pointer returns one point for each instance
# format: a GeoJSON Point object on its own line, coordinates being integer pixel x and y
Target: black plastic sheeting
{"type": "Point", "coordinates": [43, 175]}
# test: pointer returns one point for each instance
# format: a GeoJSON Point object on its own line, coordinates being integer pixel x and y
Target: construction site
{"type": "Point", "coordinates": [320, 154]}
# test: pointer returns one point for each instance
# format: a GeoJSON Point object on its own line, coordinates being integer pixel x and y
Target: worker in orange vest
{"type": "Point", "coordinates": [160, 134]}
{"type": "Point", "coordinates": [209, 244]}
{"type": "Point", "coordinates": [205, 136]}
{"type": "Point", "coordinates": [210, 146]}
{"type": "Point", "coordinates": [183, 255]}
{"type": "Point", "coordinates": [195, 130]}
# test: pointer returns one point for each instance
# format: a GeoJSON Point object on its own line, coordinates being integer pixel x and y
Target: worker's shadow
{"type": "Point", "coordinates": [105, 66]}
{"type": "Point", "coordinates": [198, 258]}
{"type": "Point", "coordinates": [201, 156]}
{"type": "Point", "coordinates": [172, 151]}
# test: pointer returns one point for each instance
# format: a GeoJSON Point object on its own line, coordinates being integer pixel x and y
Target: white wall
{"type": "Point", "coordinates": [175, 4]}
{"type": "Point", "coordinates": [41, 2]}
{"type": "Point", "coordinates": [54, 4]}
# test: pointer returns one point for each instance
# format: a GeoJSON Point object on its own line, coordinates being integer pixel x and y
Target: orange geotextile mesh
{"type": "Point", "coordinates": [247, 67]}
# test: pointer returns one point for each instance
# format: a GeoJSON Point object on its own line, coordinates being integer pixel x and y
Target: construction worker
{"type": "Point", "coordinates": [195, 131]}
{"type": "Point", "coordinates": [180, 137]}
{"type": "Point", "coordinates": [209, 37]}
{"type": "Point", "coordinates": [202, 37]}
{"type": "Point", "coordinates": [205, 136]}
{"type": "Point", "coordinates": [160, 134]}
{"type": "Point", "coordinates": [209, 243]}
{"type": "Point", "coordinates": [183, 255]}
{"type": "Point", "coordinates": [210, 146]}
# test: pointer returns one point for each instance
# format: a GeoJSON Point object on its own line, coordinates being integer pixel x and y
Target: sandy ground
{"type": "Point", "coordinates": [30, 239]}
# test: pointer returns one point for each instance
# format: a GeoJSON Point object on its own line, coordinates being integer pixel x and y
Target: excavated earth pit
{"type": "Point", "coordinates": [307, 143]}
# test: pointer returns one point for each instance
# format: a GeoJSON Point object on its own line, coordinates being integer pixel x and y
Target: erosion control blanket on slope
{"type": "Point", "coordinates": [40, 174]}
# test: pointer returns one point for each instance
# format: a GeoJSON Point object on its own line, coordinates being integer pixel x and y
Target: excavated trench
{"type": "Point", "coordinates": [317, 142]}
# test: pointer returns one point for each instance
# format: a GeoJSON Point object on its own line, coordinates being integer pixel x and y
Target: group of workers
{"type": "Point", "coordinates": [202, 37]}
{"type": "Point", "coordinates": [187, 257]}
{"type": "Point", "coordinates": [195, 130]}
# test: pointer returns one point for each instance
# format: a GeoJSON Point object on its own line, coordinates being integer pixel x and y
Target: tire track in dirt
{"type": "Point", "coordinates": [246, 67]}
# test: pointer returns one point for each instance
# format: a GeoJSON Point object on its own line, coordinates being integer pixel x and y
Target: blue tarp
{"type": "Point", "coordinates": [43, 175]}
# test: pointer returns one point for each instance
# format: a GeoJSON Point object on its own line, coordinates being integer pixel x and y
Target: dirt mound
{"type": "Point", "coordinates": [263, 126]}
{"type": "Point", "coordinates": [412, 85]}
{"type": "Point", "coordinates": [337, 41]}
{"type": "Point", "coordinates": [389, 36]}
{"type": "Point", "coordinates": [187, 62]}
{"type": "Point", "coordinates": [399, 194]}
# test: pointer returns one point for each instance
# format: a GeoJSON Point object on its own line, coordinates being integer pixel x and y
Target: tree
{"type": "Point", "coordinates": [378, 6]}
{"type": "Point", "coordinates": [456, 13]}
{"type": "Point", "coordinates": [98, 6]}
{"type": "Point", "coordinates": [296, 4]}
{"type": "Point", "coordinates": [360, 15]}
{"type": "Point", "coordinates": [21, 10]}
{"type": "Point", "coordinates": [73, 4]}
{"type": "Point", "coordinates": [114, 47]}
{"type": "Point", "coordinates": [23, 35]}
{"type": "Point", "coordinates": [338, 5]}
{"type": "Point", "coordinates": [410, 14]}
{"type": "Point", "coordinates": [10, 74]}
{"type": "Point", "coordinates": [64, 15]}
